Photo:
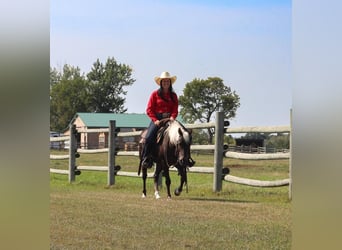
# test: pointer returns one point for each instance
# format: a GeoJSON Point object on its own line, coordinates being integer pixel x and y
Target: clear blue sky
{"type": "Point", "coordinates": [245, 43]}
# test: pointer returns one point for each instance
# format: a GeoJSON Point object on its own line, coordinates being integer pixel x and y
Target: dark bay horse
{"type": "Point", "coordinates": [171, 149]}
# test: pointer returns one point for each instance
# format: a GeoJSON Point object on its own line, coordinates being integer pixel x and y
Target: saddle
{"type": "Point", "coordinates": [164, 123]}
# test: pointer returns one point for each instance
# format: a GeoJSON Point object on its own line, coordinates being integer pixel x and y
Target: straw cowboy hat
{"type": "Point", "coordinates": [165, 75]}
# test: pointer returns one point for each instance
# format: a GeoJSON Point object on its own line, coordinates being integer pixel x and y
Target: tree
{"type": "Point", "coordinates": [200, 136]}
{"type": "Point", "coordinates": [202, 98]}
{"type": "Point", "coordinates": [55, 76]}
{"type": "Point", "coordinates": [69, 94]}
{"type": "Point", "coordinates": [279, 141]}
{"type": "Point", "coordinates": [256, 135]}
{"type": "Point", "coordinates": [101, 91]}
{"type": "Point", "coordinates": [107, 84]}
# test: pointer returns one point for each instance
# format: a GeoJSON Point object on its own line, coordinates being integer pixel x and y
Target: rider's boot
{"type": "Point", "coordinates": [191, 162]}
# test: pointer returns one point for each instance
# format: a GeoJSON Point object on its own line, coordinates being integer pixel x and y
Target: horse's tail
{"type": "Point", "coordinates": [141, 144]}
{"type": "Point", "coordinates": [139, 170]}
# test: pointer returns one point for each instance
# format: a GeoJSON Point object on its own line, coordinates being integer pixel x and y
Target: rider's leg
{"type": "Point", "coordinates": [150, 142]}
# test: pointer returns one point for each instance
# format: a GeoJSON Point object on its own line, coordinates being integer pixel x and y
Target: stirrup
{"type": "Point", "coordinates": [191, 162]}
{"type": "Point", "coordinates": [147, 162]}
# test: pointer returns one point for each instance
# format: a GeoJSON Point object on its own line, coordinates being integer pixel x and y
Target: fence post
{"type": "Point", "coordinates": [290, 159]}
{"type": "Point", "coordinates": [111, 152]}
{"type": "Point", "coordinates": [72, 148]}
{"type": "Point", "coordinates": [218, 154]}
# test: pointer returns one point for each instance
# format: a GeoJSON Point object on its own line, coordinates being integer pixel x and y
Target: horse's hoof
{"type": "Point", "coordinates": [169, 198]}
{"type": "Point", "coordinates": [177, 193]}
{"type": "Point", "coordinates": [143, 196]}
{"type": "Point", "coordinates": [156, 194]}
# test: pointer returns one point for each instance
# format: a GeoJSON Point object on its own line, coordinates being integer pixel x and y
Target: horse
{"type": "Point", "coordinates": [172, 148]}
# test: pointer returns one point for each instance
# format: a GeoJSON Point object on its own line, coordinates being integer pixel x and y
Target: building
{"type": "Point", "coordinates": [94, 140]}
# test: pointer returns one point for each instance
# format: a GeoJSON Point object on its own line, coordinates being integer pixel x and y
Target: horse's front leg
{"type": "Point", "coordinates": [183, 179]}
{"type": "Point", "coordinates": [156, 179]}
{"type": "Point", "coordinates": [168, 183]}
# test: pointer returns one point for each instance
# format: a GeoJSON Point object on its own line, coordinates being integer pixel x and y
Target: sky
{"type": "Point", "coordinates": [245, 43]}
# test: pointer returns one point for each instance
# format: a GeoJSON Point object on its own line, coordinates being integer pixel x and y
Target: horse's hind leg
{"type": "Point", "coordinates": [144, 177]}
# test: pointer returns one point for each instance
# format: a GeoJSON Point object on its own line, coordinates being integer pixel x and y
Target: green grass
{"type": "Point", "coordinates": [88, 214]}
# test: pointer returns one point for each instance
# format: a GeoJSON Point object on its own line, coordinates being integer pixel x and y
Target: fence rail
{"type": "Point", "coordinates": [259, 129]}
{"type": "Point", "coordinates": [265, 156]}
{"type": "Point", "coordinates": [228, 154]}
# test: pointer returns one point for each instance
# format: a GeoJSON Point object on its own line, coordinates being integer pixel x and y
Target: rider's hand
{"type": "Point", "coordinates": [172, 119]}
{"type": "Point", "coordinates": [157, 123]}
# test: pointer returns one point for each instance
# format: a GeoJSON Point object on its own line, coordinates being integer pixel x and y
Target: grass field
{"type": "Point", "coordinates": [88, 214]}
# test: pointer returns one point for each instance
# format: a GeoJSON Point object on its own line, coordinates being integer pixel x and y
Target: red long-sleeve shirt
{"type": "Point", "coordinates": [157, 105]}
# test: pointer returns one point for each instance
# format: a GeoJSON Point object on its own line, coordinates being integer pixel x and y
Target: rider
{"type": "Point", "coordinates": [163, 103]}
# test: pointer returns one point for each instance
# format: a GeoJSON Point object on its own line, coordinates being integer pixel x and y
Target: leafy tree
{"type": "Point", "coordinates": [256, 135]}
{"type": "Point", "coordinates": [202, 98]}
{"type": "Point", "coordinates": [55, 77]}
{"type": "Point", "coordinates": [200, 136]}
{"type": "Point", "coordinates": [229, 139]}
{"type": "Point", "coordinates": [107, 84]}
{"type": "Point", "coordinates": [279, 141]}
{"type": "Point", "coordinates": [69, 94]}
{"type": "Point", "coordinates": [101, 91]}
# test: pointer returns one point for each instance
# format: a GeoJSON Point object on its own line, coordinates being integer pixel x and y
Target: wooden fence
{"type": "Point", "coordinates": [221, 127]}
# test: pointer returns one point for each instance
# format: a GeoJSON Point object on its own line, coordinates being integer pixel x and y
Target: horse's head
{"type": "Point", "coordinates": [181, 139]}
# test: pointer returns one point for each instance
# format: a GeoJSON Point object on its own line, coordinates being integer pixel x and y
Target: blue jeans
{"type": "Point", "coordinates": [151, 137]}
{"type": "Point", "coordinates": [152, 131]}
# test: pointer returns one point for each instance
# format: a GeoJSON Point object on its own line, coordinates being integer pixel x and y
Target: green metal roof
{"type": "Point", "coordinates": [101, 120]}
